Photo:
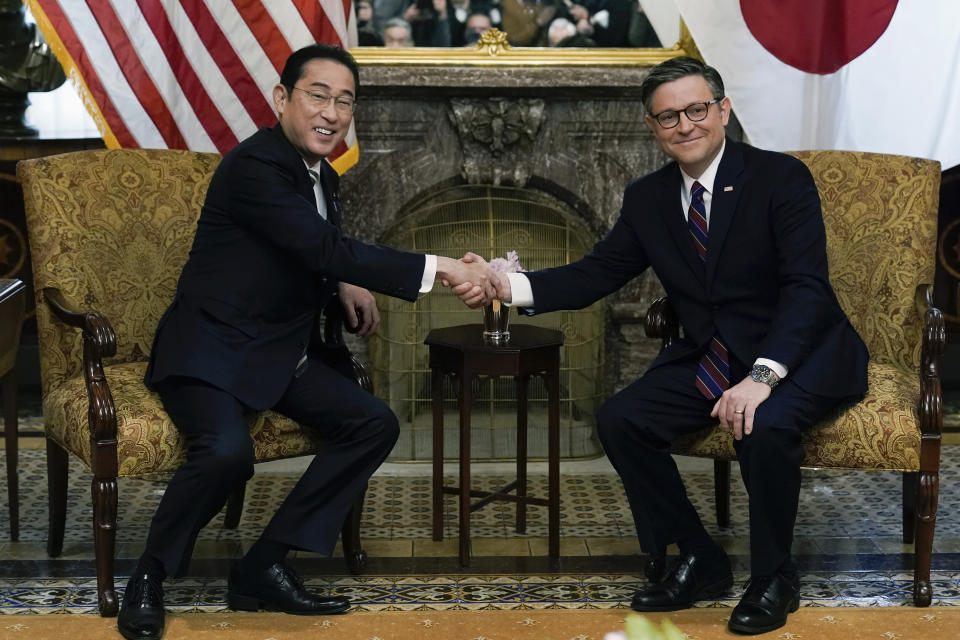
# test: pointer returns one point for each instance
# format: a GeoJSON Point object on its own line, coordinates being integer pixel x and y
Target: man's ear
{"type": "Point", "coordinates": [651, 123]}
{"type": "Point", "coordinates": [279, 98]}
{"type": "Point", "coordinates": [725, 108]}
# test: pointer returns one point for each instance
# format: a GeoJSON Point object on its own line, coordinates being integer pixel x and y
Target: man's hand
{"type": "Point", "coordinates": [472, 279]}
{"type": "Point", "coordinates": [467, 290]}
{"type": "Point", "coordinates": [360, 307]}
{"type": "Point", "coordinates": [738, 404]}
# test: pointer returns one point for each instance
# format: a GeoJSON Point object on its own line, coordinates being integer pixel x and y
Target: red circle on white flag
{"type": "Point", "coordinates": [817, 36]}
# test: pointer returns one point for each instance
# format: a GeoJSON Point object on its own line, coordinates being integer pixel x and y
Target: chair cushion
{"type": "Point", "coordinates": [879, 432]}
{"type": "Point", "coordinates": [147, 442]}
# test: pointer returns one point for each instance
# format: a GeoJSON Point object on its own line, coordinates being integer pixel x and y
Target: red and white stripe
{"type": "Point", "coordinates": [188, 74]}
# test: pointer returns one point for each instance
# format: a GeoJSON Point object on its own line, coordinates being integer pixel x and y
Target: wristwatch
{"type": "Point", "coordinates": [763, 373]}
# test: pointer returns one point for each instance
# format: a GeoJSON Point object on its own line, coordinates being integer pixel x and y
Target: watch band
{"type": "Point", "coordinates": [766, 375]}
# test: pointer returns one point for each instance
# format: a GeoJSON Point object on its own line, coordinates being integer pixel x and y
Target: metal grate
{"type": "Point", "coordinates": [488, 221]}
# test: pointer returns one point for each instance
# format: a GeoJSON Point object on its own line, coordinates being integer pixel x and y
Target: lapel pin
{"type": "Point", "coordinates": [728, 188]}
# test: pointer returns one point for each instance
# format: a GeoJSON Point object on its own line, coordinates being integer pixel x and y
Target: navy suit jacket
{"type": "Point", "coordinates": [764, 288]}
{"type": "Point", "coordinates": [262, 266]}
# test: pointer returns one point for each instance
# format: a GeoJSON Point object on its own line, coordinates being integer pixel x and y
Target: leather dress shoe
{"type": "Point", "coordinates": [765, 605]}
{"type": "Point", "coordinates": [278, 588]}
{"type": "Point", "coordinates": [142, 614]}
{"type": "Point", "coordinates": [688, 580]}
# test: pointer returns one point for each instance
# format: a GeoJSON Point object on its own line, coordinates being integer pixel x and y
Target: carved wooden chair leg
{"type": "Point", "coordinates": [721, 491]}
{"type": "Point", "coordinates": [355, 556]}
{"type": "Point", "coordinates": [9, 384]}
{"type": "Point", "coordinates": [56, 497]}
{"type": "Point", "coordinates": [911, 480]}
{"type": "Point", "coordinates": [235, 507]}
{"type": "Point", "coordinates": [104, 493]}
{"type": "Point", "coordinates": [929, 488]}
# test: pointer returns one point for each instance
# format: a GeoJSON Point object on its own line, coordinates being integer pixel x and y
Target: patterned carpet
{"type": "Point", "coordinates": [847, 544]}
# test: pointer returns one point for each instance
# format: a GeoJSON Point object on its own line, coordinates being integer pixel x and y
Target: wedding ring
{"type": "Point", "coordinates": [740, 411]}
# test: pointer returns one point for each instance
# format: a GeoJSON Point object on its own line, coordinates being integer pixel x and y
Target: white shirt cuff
{"type": "Point", "coordinates": [778, 368]}
{"type": "Point", "coordinates": [521, 294]}
{"type": "Point", "coordinates": [429, 273]}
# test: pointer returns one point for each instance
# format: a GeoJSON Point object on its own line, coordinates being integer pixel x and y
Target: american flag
{"type": "Point", "coordinates": [187, 74]}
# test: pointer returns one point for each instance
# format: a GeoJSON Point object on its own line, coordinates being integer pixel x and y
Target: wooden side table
{"type": "Point", "coordinates": [12, 304]}
{"type": "Point", "coordinates": [460, 351]}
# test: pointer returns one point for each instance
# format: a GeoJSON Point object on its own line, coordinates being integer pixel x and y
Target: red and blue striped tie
{"type": "Point", "coordinates": [713, 371]}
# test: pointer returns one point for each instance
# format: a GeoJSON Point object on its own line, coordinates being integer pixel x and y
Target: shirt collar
{"type": "Point", "coordinates": [709, 175]}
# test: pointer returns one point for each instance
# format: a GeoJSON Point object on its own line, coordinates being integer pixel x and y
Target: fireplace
{"type": "Point", "coordinates": [491, 159]}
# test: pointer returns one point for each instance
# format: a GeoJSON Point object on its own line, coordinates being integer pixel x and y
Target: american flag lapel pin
{"type": "Point", "coordinates": [730, 188]}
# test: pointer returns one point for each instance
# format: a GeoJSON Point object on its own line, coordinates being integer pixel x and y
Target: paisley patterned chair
{"type": "Point", "coordinates": [880, 213]}
{"type": "Point", "coordinates": [109, 234]}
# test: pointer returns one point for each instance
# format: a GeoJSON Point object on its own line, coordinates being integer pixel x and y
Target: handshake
{"type": "Point", "coordinates": [473, 280]}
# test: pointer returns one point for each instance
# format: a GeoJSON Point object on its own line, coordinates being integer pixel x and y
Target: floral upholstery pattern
{"type": "Point", "coordinates": [112, 230]}
{"type": "Point", "coordinates": [880, 213]}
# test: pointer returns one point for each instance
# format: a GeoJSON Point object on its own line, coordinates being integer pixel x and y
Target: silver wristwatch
{"type": "Point", "coordinates": [763, 373]}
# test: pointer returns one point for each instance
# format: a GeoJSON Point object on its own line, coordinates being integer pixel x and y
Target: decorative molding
{"type": "Point", "coordinates": [497, 136]}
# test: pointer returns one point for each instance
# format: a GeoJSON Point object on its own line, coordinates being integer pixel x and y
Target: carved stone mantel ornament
{"type": "Point", "coordinates": [497, 137]}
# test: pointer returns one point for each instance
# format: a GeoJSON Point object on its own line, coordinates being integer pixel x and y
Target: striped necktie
{"type": "Point", "coordinates": [713, 370]}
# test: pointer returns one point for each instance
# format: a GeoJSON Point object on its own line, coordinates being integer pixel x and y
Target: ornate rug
{"type": "Point", "coordinates": [808, 623]}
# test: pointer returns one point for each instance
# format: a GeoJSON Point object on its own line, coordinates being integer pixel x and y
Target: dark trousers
{"type": "Point", "coordinates": [637, 426]}
{"type": "Point", "coordinates": [359, 431]}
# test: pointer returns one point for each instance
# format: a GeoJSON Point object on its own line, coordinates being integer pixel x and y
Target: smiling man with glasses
{"type": "Point", "coordinates": [268, 255]}
{"type": "Point", "coordinates": [735, 235]}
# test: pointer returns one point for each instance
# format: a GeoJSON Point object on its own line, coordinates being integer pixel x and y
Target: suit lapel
{"type": "Point", "coordinates": [671, 210]}
{"type": "Point", "coordinates": [727, 188]}
{"type": "Point", "coordinates": [330, 183]}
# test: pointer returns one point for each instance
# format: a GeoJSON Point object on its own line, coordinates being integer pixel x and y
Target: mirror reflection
{"type": "Point", "coordinates": [400, 24]}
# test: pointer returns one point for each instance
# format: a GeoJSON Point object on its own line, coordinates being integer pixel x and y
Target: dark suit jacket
{"type": "Point", "coordinates": [764, 288]}
{"type": "Point", "coordinates": [262, 266]}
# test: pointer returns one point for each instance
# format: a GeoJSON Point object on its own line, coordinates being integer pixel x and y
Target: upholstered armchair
{"type": "Point", "coordinates": [109, 233]}
{"type": "Point", "coordinates": [880, 213]}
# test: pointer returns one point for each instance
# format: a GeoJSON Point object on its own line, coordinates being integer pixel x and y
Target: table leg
{"type": "Point", "coordinates": [523, 383]}
{"type": "Point", "coordinates": [437, 396]}
{"type": "Point", "coordinates": [553, 457]}
{"type": "Point", "coordinates": [10, 430]}
{"type": "Point", "coordinates": [466, 401]}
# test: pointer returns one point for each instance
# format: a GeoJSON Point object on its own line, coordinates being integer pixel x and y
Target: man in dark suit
{"type": "Point", "coordinates": [267, 257]}
{"type": "Point", "coordinates": [735, 235]}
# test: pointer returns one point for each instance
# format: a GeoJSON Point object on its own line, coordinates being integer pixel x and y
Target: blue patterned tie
{"type": "Point", "coordinates": [713, 371]}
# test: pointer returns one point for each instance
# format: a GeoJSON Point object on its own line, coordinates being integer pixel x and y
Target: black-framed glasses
{"type": "Point", "coordinates": [343, 104]}
{"type": "Point", "coordinates": [695, 113]}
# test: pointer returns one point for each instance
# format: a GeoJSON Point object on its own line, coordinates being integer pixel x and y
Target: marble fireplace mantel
{"type": "Point", "coordinates": [574, 133]}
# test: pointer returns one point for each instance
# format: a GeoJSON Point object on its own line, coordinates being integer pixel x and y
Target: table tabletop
{"type": "Point", "coordinates": [469, 338]}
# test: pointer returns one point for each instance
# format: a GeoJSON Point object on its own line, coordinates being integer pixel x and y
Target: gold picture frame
{"type": "Point", "coordinates": [493, 50]}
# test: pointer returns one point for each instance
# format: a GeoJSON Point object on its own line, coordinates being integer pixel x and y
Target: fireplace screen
{"type": "Point", "coordinates": [489, 221]}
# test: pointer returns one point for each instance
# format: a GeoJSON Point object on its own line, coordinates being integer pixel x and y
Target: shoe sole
{"type": "Point", "coordinates": [707, 592]}
{"type": "Point", "coordinates": [251, 603]}
{"type": "Point", "coordinates": [733, 626]}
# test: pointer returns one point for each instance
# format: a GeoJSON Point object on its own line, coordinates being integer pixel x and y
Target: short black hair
{"type": "Point", "coordinates": [293, 68]}
{"type": "Point", "coordinates": [674, 69]}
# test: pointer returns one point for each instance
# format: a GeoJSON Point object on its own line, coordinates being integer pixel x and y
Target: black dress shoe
{"type": "Point", "coordinates": [765, 605]}
{"type": "Point", "coordinates": [142, 614]}
{"type": "Point", "coordinates": [278, 588]}
{"type": "Point", "coordinates": [688, 580]}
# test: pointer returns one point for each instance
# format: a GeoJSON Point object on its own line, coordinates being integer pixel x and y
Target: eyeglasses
{"type": "Point", "coordinates": [343, 104]}
{"type": "Point", "coordinates": [695, 113]}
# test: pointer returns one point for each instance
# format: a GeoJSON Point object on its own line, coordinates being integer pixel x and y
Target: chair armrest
{"type": "Point", "coordinates": [934, 341]}
{"type": "Point", "coordinates": [333, 336]}
{"type": "Point", "coordinates": [661, 322]}
{"type": "Point", "coordinates": [99, 341]}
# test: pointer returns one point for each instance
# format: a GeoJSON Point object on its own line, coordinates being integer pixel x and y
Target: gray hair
{"type": "Point", "coordinates": [674, 69]}
{"type": "Point", "coordinates": [397, 22]}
